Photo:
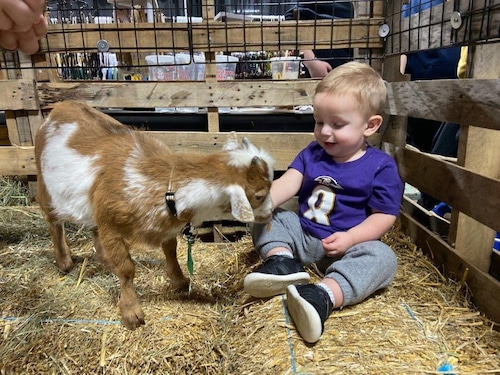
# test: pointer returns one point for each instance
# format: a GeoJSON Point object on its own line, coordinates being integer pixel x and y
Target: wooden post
{"type": "Point", "coordinates": [478, 151]}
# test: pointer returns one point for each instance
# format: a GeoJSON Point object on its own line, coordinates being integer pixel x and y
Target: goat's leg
{"type": "Point", "coordinates": [115, 254]}
{"type": "Point", "coordinates": [62, 252]}
{"type": "Point", "coordinates": [174, 272]}
{"type": "Point", "coordinates": [97, 245]}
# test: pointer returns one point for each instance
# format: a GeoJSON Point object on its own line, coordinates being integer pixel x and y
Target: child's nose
{"type": "Point", "coordinates": [326, 130]}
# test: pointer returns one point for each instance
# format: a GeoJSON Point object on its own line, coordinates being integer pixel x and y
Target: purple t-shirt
{"type": "Point", "coordinates": [338, 196]}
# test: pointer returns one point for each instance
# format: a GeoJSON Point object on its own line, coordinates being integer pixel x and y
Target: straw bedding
{"type": "Point", "coordinates": [69, 324]}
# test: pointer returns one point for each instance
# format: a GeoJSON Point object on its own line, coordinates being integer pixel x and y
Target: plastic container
{"type": "Point", "coordinates": [225, 67]}
{"type": "Point", "coordinates": [185, 66]}
{"type": "Point", "coordinates": [199, 66]}
{"type": "Point", "coordinates": [161, 67]}
{"type": "Point", "coordinates": [285, 67]}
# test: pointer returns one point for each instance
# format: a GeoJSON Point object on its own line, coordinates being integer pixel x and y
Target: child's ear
{"type": "Point", "coordinates": [373, 124]}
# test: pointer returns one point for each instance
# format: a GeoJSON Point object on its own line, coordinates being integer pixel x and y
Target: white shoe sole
{"type": "Point", "coordinates": [305, 317]}
{"type": "Point", "coordinates": [262, 285]}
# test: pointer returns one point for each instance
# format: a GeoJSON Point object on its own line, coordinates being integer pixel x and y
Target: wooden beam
{"type": "Point", "coordinates": [179, 94]}
{"type": "Point", "coordinates": [464, 190]}
{"type": "Point", "coordinates": [215, 36]}
{"type": "Point", "coordinates": [21, 160]}
{"type": "Point", "coordinates": [462, 101]}
{"type": "Point", "coordinates": [19, 94]}
{"type": "Point", "coordinates": [484, 288]}
{"type": "Point", "coordinates": [479, 152]}
{"type": "Point", "coordinates": [17, 161]}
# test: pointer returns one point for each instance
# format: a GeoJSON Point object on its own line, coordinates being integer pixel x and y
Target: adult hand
{"type": "Point", "coordinates": [22, 24]}
{"type": "Point", "coordinates": [317, 68]}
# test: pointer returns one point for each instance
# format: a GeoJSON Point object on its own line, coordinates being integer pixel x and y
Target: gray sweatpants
{"type": "Point", "coordinates": [362, 270]}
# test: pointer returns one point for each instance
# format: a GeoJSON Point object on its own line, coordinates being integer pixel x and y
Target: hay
{"type": "Point", "coordinates": [69, 324]}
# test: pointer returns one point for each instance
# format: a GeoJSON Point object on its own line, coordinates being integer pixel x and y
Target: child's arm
{"type": "Point", "coordinates": [285, 187]}
{"type": "Point", "coordinates": [372, 228]}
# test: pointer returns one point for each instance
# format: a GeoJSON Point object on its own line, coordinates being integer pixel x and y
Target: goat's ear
{"type": "Point", "coordinates": [246, 143]}
{"type": "Point", "coordinates": [240, 206]}
{"type": "Point", "coordinates": [231, 142]}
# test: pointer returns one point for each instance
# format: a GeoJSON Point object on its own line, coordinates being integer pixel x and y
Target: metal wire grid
{"type": "Point", "coordinates": [128, 30]}
{"type": "Point", "coordinates": [417, 25]}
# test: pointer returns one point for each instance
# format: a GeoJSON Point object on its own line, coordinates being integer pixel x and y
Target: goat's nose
{"type": "Point", "coordinates": [263, 219]}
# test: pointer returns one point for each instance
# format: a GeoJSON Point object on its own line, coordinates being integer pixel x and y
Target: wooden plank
{"type": "Point", "coordinates": [394, 126]}
{"type": "Point", "coordinates": [15, 161]}
{"type": "Point", "coordinates": [19, 94]}
{"type": "Point", "coordinates": [30, 120]}
{"type": "Point", "coordinates": [427, 218]}
{"type": "Point", "coordinates": [463, 101]}
{"type": "Point", "coordinates": [20, 160]}
{"type": "Point", "coordinates": [479, 152]}
{"type": "Point", "coordinates": [282, 149]}
{"type": "Point", "coordinates": [461, 188]}
{"type": "Point", "coordinates": [484, 288]}
{"type": "Point", "coordinates": [4, 136]}
{"type": "Point", "coordinates": [215, 36]}
{"type": "Point", "coordinates": [130, 94]}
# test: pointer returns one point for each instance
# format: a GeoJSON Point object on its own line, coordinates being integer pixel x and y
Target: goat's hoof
{"type": "Point", "coordinates": [133, 319]}
{"type": "Point", "coordinates": [65, 265]}
{"type": "Point", "coordinates": [181, 285]}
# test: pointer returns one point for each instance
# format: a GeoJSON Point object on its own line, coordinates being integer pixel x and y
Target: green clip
{"type": "Point", "coordinates": [190, 263]}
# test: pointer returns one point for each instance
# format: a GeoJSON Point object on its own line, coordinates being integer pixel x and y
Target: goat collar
{"type": "Point", "coordinates": [170, 195]}
{"type": "Point", "coordinates": [170, 200]}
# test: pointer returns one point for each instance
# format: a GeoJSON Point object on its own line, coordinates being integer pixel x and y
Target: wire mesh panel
{"type": "Point", "coordinates": [426, 24]}
{"type": "Point", "coordinates": [176, 39]}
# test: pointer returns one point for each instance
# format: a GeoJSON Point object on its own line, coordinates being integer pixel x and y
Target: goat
{"type": "Point", "coordinates": [97, 172]}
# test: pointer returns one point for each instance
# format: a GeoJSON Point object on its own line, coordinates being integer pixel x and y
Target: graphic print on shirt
{"type": "Point", "coordinates": [322, 200]}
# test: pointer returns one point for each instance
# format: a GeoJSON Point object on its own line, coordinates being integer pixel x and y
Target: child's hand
{"type": "Point", "coordinates": [337, 244]}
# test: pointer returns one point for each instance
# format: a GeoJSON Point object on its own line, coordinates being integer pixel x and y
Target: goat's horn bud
{"type": "Point", "coordinates": [256, 161]}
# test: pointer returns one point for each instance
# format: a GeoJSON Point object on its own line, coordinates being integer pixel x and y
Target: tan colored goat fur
{"type": "Point", "coordinates": [95, 171]}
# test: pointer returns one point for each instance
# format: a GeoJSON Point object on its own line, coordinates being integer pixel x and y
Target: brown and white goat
{"type": "Point", "coordinates": [95, 171]}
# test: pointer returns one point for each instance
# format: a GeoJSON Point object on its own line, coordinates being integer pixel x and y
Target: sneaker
{"type": "Point", "coordinates": [309, 307]}
{"type": "Point", "coordinates": [272, 278]}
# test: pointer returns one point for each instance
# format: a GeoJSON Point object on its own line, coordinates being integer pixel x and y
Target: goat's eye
{"type": "Point", "coordinates": [259, 197]}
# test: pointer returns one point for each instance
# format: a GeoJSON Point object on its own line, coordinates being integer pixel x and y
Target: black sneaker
{"type": "Point", "coordinates": [272, 278]}
{"type": "Point", "coordinates": [309, 306]}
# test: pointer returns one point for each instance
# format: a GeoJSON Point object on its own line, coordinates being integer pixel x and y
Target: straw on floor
{"type": "Point", "coordinates": [69, 324]}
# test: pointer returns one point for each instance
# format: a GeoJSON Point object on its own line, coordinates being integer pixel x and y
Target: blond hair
{"type": "Point", "coordinates": [359, 80]}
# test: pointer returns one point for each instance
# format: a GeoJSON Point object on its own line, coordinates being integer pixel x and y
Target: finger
{"type": "Point", "coordinates": [40, 27]}
{"type": "Point", "coordinates": [36, 6]}
{"type": "Point", "coordinates": [27, 42]}
{"type": "Point", "coordinates": [8, 40]}
{"type": "Point", "coordinates": [5, 22]}
{"type": "Point", "coordinates": [22, 15]}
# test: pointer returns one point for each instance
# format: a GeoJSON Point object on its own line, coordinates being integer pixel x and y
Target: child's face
{"type": "Point", "coordinates": [340, 126]}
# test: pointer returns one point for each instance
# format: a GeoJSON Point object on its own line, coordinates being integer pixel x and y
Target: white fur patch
{"type": "Point", "coordinates": [242, 157]}
{"type": "Point", "coordinates": [206, 199]}
{"type": "Point", "coordinates": [68, 175]}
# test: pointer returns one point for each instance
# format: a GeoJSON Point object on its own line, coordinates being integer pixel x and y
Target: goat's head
{"type": "Point", "coordinates": [251, 202]}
